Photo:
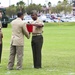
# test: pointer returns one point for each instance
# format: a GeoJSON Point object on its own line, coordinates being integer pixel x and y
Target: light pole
{"type": "Point", "coordinates": [28, 2]}
{"type": "Point", "coordinates": [31, 1]}
{"type": "Point", "coordinates": [9, 2]}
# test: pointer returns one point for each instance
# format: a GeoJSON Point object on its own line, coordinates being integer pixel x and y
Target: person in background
{"type": "Point", "coordinates": [1, 36]}
{"type": "Point", "coordinates": [17, 41]}
{"type": "Point", "coordinates": [37, 39]}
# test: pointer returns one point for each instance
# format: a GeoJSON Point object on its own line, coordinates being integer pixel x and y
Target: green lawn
{"type": "Point", "coordinates": [58, 53]}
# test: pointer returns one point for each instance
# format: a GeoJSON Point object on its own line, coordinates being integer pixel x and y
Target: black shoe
{"type": "Point", "coordinates": [37, 67]}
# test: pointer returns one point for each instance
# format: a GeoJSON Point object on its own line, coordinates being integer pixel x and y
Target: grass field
{"type": "Point", "coordinates": [58, 53]}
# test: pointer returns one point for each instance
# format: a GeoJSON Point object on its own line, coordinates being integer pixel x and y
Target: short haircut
{"type": "Point", "coordinates": [19, 14]}
{"type": "Point", "coordinates": [33, 12]}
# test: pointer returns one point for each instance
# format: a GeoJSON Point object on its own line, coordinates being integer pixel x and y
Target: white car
{"type": "Point", "coordinates": [27, 19]}
{"type": "Point", "coordinates": [65, 19]}
{"type": "Point", "coordinates": [72, 19]}
{"type": "Point", "coordinates": [45, 19]}
{"type": "Point", "coordinates": [48, 20]}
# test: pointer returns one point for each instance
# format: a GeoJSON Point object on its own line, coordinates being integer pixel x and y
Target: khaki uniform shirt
{"type": "Point", "coordinates": [18, 32]}
{"type": "Point", "coordinates": [37, 29]}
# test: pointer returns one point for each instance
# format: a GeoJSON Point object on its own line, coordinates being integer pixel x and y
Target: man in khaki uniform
{"type": "Point", "coordinates": [1, 36]}
{"type": "Point", "coordinates": [37, 39]}
{"type": "Point", "coordinates": [17, 41]}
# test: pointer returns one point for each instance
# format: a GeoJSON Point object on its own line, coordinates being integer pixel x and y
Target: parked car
{"type": "Point", "coordinates": [72, 19]}
{"type": "Point", "coordinates": [27, 19]}
{"type": "Point", "coordinates": [48, 20]}
{"type": "Point", "coordinates": [11, 19]}
{"type": "Point", "coordinates": [44, 18]}
{"type": "Point", "coordinates": [65, 19]}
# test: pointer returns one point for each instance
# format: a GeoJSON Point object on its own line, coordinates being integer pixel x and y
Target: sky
{"type": "Point", "coordinates": [6, 3]}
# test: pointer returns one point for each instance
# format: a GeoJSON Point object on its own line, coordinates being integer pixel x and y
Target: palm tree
{"type": "Point", "coordinates": [21, 3]}
{"type": "Point", "coordinates": [59, 2]}
{"type": "Point", "coordinates": [20, 6]}
{"type": "Point", "coordinates": [49, 5]}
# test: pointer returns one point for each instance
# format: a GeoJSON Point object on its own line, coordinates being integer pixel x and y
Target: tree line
{"type": "Point", "coordinates": [63, 6]}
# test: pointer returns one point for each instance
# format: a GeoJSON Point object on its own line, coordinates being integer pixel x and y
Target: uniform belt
{"type": "Point", "coordinates": [36, 34]}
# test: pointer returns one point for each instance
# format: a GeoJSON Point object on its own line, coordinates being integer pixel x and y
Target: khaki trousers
{"type": "Point", "coordinates": [15, 51]}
